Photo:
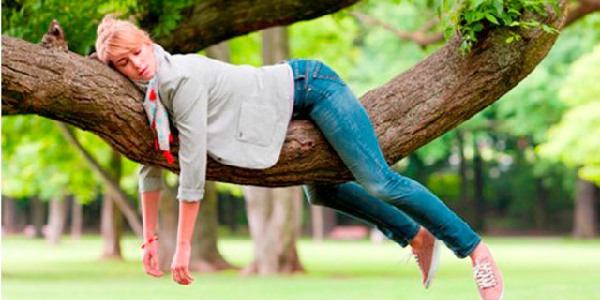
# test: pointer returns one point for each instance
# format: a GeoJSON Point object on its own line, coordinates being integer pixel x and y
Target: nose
{"type": "Point", "coordinates": [136, 61]}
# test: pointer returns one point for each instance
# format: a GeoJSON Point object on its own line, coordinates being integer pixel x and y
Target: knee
{"type": "Point", "coordinates": [378, 190]}
{"type": "Point", "coordinates": [394, 189]}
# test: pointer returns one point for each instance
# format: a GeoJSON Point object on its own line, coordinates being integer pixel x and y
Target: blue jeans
{"type": "Point", "coordinates": [379, 196]}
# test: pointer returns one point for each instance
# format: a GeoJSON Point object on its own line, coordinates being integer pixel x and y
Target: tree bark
{"type": "Point", "coordinates": [212, 21]}
{"type": "Point", "coordinates": [582, 9]}
{"type": "Point", "coordinates": [37, 216]}
{"type": "Point", "coordinates": [410, 110]}
{"type": "Point", "coordinates": [585, 210]}
{"type": "Point", "coordinates": [76, 219]}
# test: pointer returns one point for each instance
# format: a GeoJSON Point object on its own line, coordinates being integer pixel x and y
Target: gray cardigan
{"type": "Point", "coordinates": [236, 114]}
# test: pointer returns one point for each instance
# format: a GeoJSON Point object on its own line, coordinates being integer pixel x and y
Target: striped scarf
{"type": "Point", "coordinates": [158, 119]}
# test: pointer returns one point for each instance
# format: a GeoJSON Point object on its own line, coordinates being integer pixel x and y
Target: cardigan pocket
{"type": "Point", "coordinates": [256, 124]}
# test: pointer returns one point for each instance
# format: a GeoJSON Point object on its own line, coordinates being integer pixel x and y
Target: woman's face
{"type": "Point", "coordinates": [137, 64]}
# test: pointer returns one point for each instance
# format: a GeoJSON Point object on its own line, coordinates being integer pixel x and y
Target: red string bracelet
{"type": "Point", "coordinates": [154, 238]}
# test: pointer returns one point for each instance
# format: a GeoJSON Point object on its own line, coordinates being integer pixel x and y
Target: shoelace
{"type": "Point", "coordinates": [484, 275]}
{"type": "Point", "coordinates": [416, 257]}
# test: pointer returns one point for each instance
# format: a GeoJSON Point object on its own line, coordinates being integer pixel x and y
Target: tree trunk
{"type": "Point", "coordinates": [12, 218]}
{"type": "Point", "coordinates": [540, 212]}
{"type": "Point", "coordinates": [57, 219]}
{"type": "Point", "coordinates": [323, 220]}
{"type": "Point", "coordinates": [205, 252]}
{"type": "Point", "coordinates": [317, 222]}
{"type": "Point", "coordinates": [418, 167]}
{"type": "Point", "coordinates": [478, 184]}
{"type": "Point", "coordinates": [76, 219]}
{"type": "Point", "coordinates": [410, 110]}
{"type": "Point", "coordinates": [585, 210]}
{"type": "Point", "coordinates": [112, 218]}
{"type": "Point", "coordinates": [274, 227]}
{"type": "Point", "coordinates": [37, 216]}
{"type": "Point", "coordinates": [466, 202]}
{"type": "Point", "coordinates": [258, 208]}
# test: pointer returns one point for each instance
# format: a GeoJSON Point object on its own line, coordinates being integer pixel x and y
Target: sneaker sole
{"type": "Point", "coordinates": [435, 259]}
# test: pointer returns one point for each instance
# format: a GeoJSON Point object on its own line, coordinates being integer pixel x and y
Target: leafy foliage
{"type": "Point", "coordinates": [575, 140]}
{"type": "Point", "coordinates": [471, 17]}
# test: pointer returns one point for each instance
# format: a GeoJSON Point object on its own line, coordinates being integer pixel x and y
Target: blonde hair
{"type": "Point", "coordinates": [117, 37]}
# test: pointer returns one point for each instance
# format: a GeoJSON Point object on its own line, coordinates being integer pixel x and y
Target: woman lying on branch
{"type": "Point", "coordinates": [239, 116]}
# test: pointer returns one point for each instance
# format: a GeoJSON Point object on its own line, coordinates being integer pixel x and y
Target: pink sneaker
{"type": "Point", "coordinates": [487, 277]}
{"type": "Point", "coordinates": [427, 257]}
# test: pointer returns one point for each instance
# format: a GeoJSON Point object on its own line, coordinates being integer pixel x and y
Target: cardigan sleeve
{"type": "Point", "coordinates": [150, 179]}
{"type": "Point", "coordinates": [190, 101]}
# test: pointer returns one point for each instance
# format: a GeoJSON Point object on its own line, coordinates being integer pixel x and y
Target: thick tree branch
{"type": "Point", "coordinates": [410, 110]}
{"type": "Point", "coordinates": [212, 21]}
{"type": "Point", "coordinates": [582, 9]}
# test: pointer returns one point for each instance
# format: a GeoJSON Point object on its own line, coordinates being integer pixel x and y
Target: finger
{"type": "Point", "coordinates": [183, 279]}
{"type": "Point", "coordinates": [188, 276]}
{"type": "Point", "coordinates": [181, 275]}
{"type": "Point", "coordinates": [154, 273]}
{"type": "Point", "coordinates": [155, 269]}
{"type": "Point", "coordinates": [175, 275]}
{"type": "Point", "coordinates": [154, 262]}
{"type": "Point", "coordinates": [151, 265]}
{"type": "Point", "coordinates": [147, 263]}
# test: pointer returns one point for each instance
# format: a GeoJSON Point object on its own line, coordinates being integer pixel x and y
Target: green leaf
{"type": "Point", "coordinates": [492, 19]}
{"type": "Point", "coordinates": [499, 5]}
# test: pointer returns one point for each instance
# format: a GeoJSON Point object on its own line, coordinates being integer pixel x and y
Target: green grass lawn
{"type": "Point", "coordinates": [533, 269]}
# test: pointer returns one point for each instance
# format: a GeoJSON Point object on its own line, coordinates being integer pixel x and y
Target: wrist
{"type": "Point", "coordinates": [148, 234]}
{"type": "Point", "coordinates": [184, 244]}
{"type": "Point", "coordinates": [149, 241]}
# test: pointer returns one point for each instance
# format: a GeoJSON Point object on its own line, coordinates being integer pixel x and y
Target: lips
{"type": "Point", "coordinates": [143, 72]}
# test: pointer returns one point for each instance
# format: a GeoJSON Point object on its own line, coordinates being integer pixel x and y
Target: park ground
{"type": "Point", "coordinates": [534, 268]}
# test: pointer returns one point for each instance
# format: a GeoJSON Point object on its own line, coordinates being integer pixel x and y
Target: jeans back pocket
{"type": "Point", "coordinates": [322, 71]}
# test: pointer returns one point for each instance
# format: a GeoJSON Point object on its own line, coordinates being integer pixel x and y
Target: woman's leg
{"type": "Point", "coordinates": [322, 95]}
{"type": "Point", "coordinates": [350, 198]}
{"type": "Point", "coordinates": [344, 122]}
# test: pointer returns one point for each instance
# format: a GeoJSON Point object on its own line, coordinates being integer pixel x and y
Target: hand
{"type": "Point", "coordinates": [181, 261]}
{"type": "Point", "coordinates": [150, 260]}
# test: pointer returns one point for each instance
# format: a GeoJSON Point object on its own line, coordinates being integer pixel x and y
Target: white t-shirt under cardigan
{"type": "Point", "coordinates": [236, 114]}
